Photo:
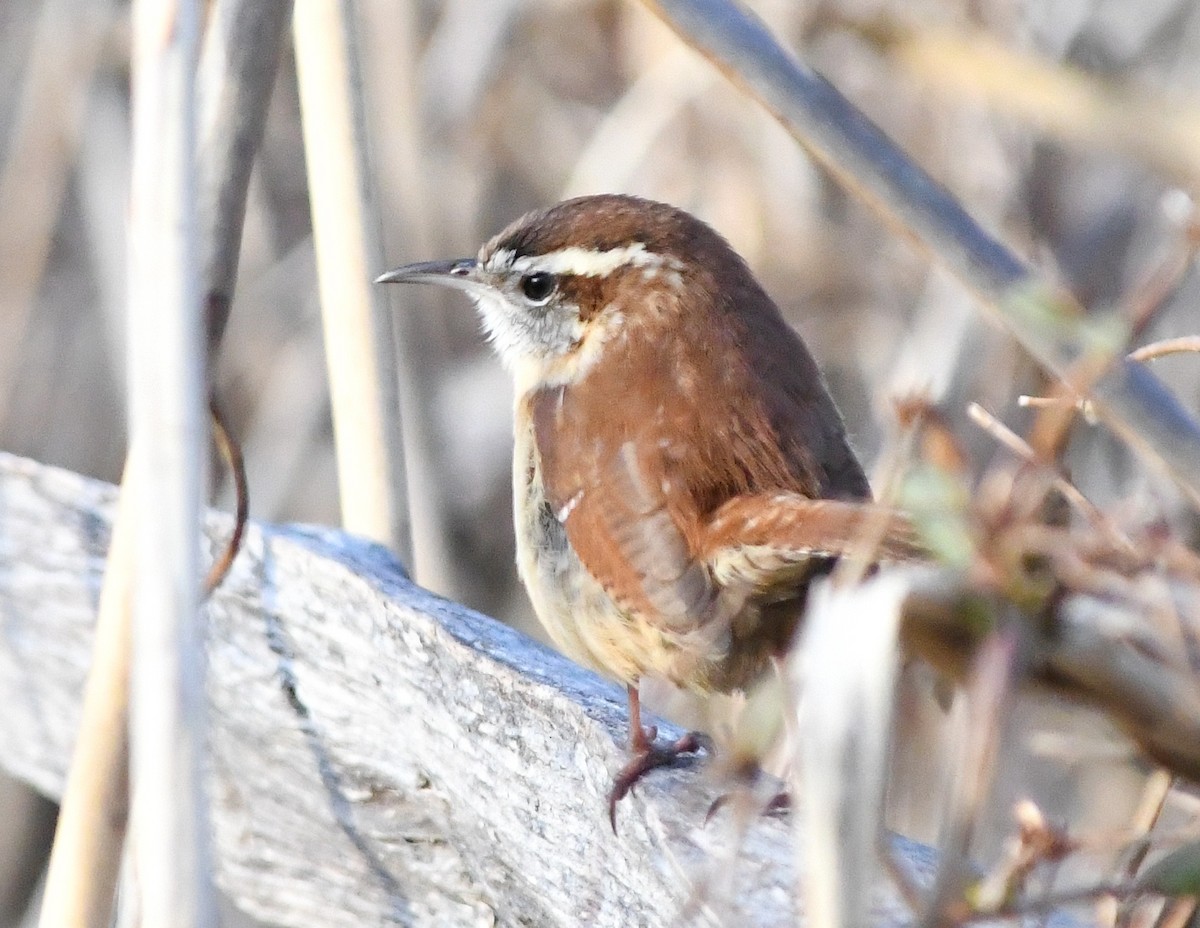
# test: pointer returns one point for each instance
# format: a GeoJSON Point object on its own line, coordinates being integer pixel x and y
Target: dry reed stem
{"type": "Point", "coordinates": [88, 840]}
{"type": "Point", "coordinates": [169, 825]}
{"type": "Point", "coordinates": [237, 73]}
{"type": "Point", "coordinates": [358, 330]}
{"type": "Point", "coordinates": [406, 169]}
{"type": "Point", "coordinates": [844, 671]}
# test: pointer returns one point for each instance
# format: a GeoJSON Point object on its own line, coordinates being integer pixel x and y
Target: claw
{"type": "Point", "coordinates": [649, 756]}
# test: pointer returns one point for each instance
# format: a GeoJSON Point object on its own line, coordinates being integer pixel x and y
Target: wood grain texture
{"type": "Point", "coordinates": [379, 755]}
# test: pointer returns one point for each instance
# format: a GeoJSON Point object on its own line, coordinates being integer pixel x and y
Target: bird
{"type": "Point", "coordinates": [680, 470]}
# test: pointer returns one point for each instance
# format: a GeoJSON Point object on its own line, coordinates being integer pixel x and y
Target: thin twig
{"type": "Point", "coordinates": [1082, 406]}
{"type": "Point", "coordinates": [1185, 343]}
{"type": "Point", "coordinates": [1013, 442]}
{"type": "Point", "coordinates": [1146, 816]}
{"type": "Point", "coordinates": [231, 451]}
{"type": "Point", "coordinates": [1142, 305]}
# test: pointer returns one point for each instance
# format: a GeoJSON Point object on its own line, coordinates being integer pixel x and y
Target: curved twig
{"type": "Point", "coordinates": [231, 451]}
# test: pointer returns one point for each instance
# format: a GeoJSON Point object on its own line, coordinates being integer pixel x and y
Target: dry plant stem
{"type": "Point", "coordinates": [92, 823]}
{"type": "Point", "coordinates": [358, 334]}
{"type": "Point", "coordinates": [237, 72]}
{"type": "Point", "coordinates": [1025, 401]}
{"type": "Point", "coordinates": [1013, 442]}
{"type": "Point", "coordinates": [846, 681]}
{"type": "Point", "coordinates": [1154, 799]}
{"type": "Point", "coordinates": [170, 831]}
{"type": "Point", "coordinates": [1147, 300]}
{"type": "Point", "coordinates": [988, 694]}
{"type": "Point", "coordinates": [394, 49]}
{"type": "Point", "coordinates": [1052, 428]}
{"type": "Point", "coordinates": [1037, 313]}
{"type": "Point", "coordinates": [1185, 343]}
{"type": "Point", "coordinates": [82, 874]}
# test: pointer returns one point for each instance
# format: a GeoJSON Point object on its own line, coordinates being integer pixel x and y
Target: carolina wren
{"type": "Point", "coordinates": [680, 471]}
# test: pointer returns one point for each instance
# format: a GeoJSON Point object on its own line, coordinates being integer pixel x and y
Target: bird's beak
{"type": "Point", "coordinates": [460, 274]}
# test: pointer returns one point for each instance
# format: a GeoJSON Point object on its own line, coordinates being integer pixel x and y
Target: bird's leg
{"type": "Point", "coordinates": [641, 739]}
{"type": "Point", "coordinates": [647, 755]}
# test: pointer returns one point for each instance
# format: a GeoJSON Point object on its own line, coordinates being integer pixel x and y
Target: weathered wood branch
{"type": "Point", "coordinates": [379, 755]}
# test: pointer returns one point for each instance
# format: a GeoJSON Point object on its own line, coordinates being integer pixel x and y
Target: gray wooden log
{"type": "Point", "coordinates": [379, 755]}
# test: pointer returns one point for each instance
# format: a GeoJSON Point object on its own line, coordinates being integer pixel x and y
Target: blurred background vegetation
{"type": "Point", "coordinates": [483, 109]}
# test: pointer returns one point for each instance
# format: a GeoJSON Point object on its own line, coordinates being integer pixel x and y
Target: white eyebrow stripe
{"type": "Point", "coordinates": [500, 259]}
{"type": "Point", "coordinates": [584, 262]}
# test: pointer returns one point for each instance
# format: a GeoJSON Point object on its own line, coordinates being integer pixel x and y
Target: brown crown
{"type": "Point", "coordinates": [608, 221]}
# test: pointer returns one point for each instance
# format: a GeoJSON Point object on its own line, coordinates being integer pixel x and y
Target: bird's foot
{"type": "Point", "coordinates": [648, 755]}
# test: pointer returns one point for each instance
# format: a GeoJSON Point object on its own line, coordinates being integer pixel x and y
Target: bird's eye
{"type": "Point", "coordinates": [538, 286]}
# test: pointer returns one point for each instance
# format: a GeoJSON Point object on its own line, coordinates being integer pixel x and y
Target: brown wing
{"type": "Point", "coordinates": [667, 432]}
{"type": "Point", "coordinates": [618, 520]}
